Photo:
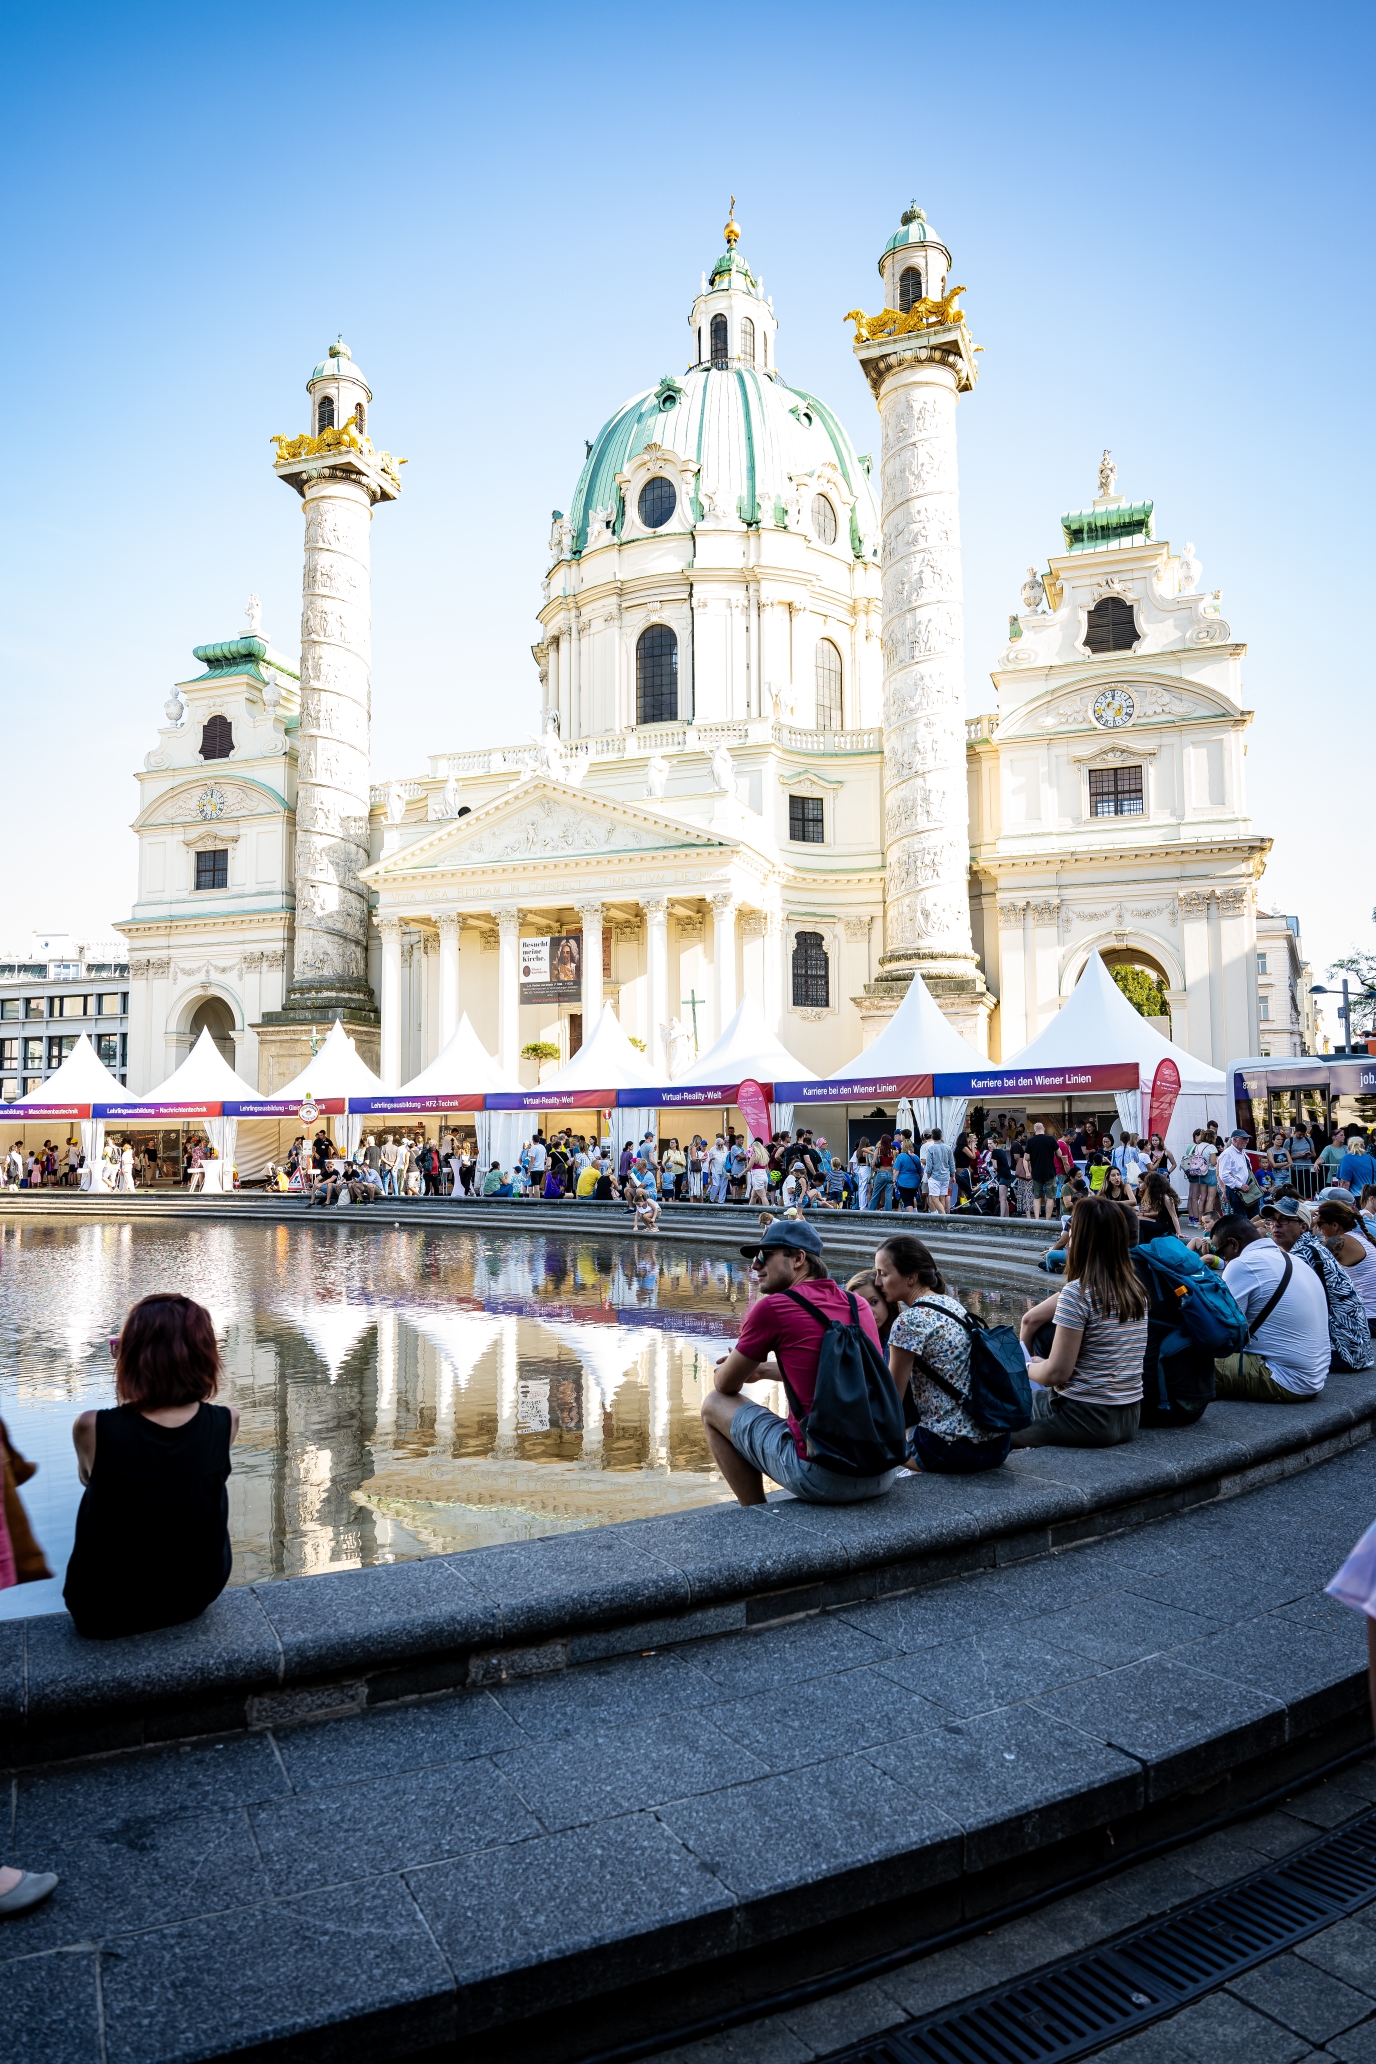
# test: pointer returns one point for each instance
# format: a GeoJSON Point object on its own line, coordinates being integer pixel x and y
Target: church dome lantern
{"type": "Point", "coordinates": [338, 391]}
{"type": "Point", "coordinates": [914, 263]}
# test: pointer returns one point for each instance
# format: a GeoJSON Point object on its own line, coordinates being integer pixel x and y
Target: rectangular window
{"type": "Point", "coordinates": [9, 1055]}
{"type": "Point", "coordinates": [33, 1053]}
{"type": "Point", "coordinates": [1261, 963]}
{"type": "Point", "coordinates": [108, 1006]}
{"type": "Point", "coordinates": [32, 1082]}
{"type": "Point", "coordinates": [70, 1006]}
{"type": "Point", "coordinates": [9, 1090]}
{"type": "Point", "coordinates": [107, 1048]}
{"type": "Point", "coordinates": [805, 819]}
{"type": "Point", "coordinates": [10, 1007]}
{"type": "Point", "coordinates": [212, 870]}
{"type": "Point", "coordinates": [58, 1050]}
{"type": "Point", "coordinates": [64, 971]}
{"type": "Point", "coordinates": [1115, 792]}
{"type": "Point", "coordinates": [1264, 1007]}
{"type": "Point", "coordinates": [35, 1007]}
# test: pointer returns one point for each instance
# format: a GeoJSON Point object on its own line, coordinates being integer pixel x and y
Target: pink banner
{"type": "Point", "coordinates": [1165, 1088]}
{"type": "Point", "coordinates": [753, 1106]}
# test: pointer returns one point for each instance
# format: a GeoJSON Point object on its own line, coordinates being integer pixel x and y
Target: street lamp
{"type": "Point", "coordinates": [1345, 1007]}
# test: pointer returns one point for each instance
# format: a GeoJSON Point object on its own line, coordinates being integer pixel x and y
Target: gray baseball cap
{"type": "Point", "coordinates": [793, 1233]}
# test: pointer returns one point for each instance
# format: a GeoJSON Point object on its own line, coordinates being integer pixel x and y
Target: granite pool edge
{"type": "Point", "coordinates": [307, 1646]}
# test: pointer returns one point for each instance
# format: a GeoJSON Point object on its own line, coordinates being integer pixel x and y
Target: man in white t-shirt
{"type": "Point", "coordinates": [1288, 1354]}
{"type": "Point", "coordinates": [539, 1155]}
{"type": "Point", "coordinates": [717, 1165]}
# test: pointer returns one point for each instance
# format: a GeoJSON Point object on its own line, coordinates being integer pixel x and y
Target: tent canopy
{"type": "Point", "coordinates": [204, 1077]}
{"type": "Point", "coordinates": [606, 1060]}
{"type": "Point", "coordinates": [337, 1069]}
{"type": "Point", "coordinates": [1097, 1023]}
{"type": "Point", "coordinates": [919, 1039]}
{"type": "Point", "coordinates": [462, 1065]}
{"type": "Point", "coordinates": [747, 1050]}
{"type": "Point", "coordinates": [82, 1079]}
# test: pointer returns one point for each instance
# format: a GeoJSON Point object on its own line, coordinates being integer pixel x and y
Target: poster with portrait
{"type": "Point", "coordinates": [552, 968]}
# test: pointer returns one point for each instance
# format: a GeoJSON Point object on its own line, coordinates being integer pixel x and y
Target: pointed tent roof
{"type": "Point", "coordinates": [1097, 1023]}
{"type": "Point", "coordinates": [336, 1069]}
{"type": "Point", "coordinates": [463, 1064]}
{"type": "Point", "coordinates": [918, 1039]}
{"type": "Point", "coordinates": [746, 1049]}
{"type": "Point", "coordinates": [204, 1077]}
{"type": "Point", "coordinates": [605, 1061]}
{"type": "Point", "coordinates": [82, 1079]}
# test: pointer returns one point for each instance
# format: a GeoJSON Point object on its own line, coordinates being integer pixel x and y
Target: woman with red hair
{"type": "Point", "coordinates": [152, 1531]}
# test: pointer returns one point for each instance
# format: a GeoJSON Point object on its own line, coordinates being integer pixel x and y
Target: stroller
{"type": "Point", "coordinates": [983, 1201]}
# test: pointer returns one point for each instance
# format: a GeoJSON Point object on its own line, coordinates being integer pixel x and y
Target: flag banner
{"type": "Point", "coordinates": [282, 1107]}
{"type": "Point", "coordinates": [753, 1105]}
{"type": "Point", "coordinates": [552, 968]}
{"type": "Point", "coordinates": [676, 1097]}
{"type": "Point", "coordinates": [1008, 1082]}
{"type": "Point", "coordinates": [860, 1091]}
{"type": "Point", "coordinates": [1165, 1088]}
{"type": "Point", "coordinates": [456, 1100]}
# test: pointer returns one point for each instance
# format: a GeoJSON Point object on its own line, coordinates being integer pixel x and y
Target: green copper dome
{"type": "Point", "coordinates": [915, 229]}
{"type": "Point", "coordinates": [748, 431]}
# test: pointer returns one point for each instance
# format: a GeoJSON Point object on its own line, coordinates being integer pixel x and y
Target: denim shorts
{"type": "Point", "coordinates": [767, 1444]}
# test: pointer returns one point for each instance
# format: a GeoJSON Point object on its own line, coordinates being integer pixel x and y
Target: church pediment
{"type": "Point", "coordinates": [542, 820]}
{"type": "Point", "coordinates": [210, 796]}
{"type": "Point", "coordinates": [1072, 708]}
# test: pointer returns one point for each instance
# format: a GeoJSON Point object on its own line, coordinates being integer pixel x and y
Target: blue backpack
{"type": "Point", "coordinates": [855, 1426]}
{"type": "Point", "coordinates": [1207, 1313]}
{"type": "Point", "coordinates": [1000, 1397]}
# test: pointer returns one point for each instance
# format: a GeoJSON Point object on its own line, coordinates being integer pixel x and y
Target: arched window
{"type": "Point", "coordinates": [1111, 626]}
{"type": "Point", "coordinates": [828, 686]}
{"type": "Point", "coordinates": [217, 739]}
{"type": "Point", "coordinates": [699, 347]}
{"type": "Point", "coordinates": [719, 341]}
{"type": "Point", "coordinates": [909, 289]}
{"type": "Point", "coordinates": [747, 342]}
{"type": "Point", "coordinates": [656, 676]}
{"type": "Point", "coordinates": [360, 419]}
{"type": "Point", "coordinates": [324, 413]}
{"type": "Point", "coordinates": [657, 503]}
{"type": "Point", "coordinates": [824, 519]}
{"type": "Point", "coordinates": [811, 973]}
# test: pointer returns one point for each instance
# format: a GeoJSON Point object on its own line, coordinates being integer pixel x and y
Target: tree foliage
{"type": "Point", "coordinates": [1146, 993]}
{"type": "Point", "coordinates": [1360, 969]}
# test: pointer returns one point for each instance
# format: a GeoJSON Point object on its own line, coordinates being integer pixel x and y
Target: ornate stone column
{"type": "Point", "coordinates": [449, 928]}
{"type": "Point", "coordinates": [390, 1071]}
{"type": "Point", "coordinates": [656, 978]}
{"type": "Point", "coordinates": [591, 915]}
{"type": "Point", "coordinates": [724, 909]}
{"type": "Point", "coordinates": [339, 477]}
{"type": "Point", "coordinates": [508, 989]}
{"type": "Point", "coordinates": [917, 365]}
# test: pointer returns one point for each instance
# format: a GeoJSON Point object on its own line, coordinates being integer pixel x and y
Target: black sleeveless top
{"type": "Point", "coordinates": [152, 1530]}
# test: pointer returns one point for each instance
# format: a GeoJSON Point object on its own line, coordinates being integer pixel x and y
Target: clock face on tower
{"type": "Point", "coordinates": [211, 803]}
{"type": "Point", "coordinates": [1112, 708]}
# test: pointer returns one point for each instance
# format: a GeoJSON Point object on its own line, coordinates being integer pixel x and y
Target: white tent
{"type": "Point", "coordinates": [463, 1067]}
{"type": "Point", "coordinates": [748, 1050]}
{"type": "Point", "coordinates": [1096, 1023]}
{"type": "Point", "coordinates": [336, 1069]}
{"type": "Point", "coordinates": [919, 1039]}
{"type": "Point", "coordinates": [607, 1060]}
{"type": "Point", "coordinates": [205, 1077]}
{"type": "Point", "coordinates": [83, 1078]}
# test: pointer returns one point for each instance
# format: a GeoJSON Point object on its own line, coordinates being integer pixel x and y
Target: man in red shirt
{"type": "Point", "coordinates": [748, 1441]}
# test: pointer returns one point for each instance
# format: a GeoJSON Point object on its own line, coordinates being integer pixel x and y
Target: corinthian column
{"type": "Point", "coordinates": [917, 367]}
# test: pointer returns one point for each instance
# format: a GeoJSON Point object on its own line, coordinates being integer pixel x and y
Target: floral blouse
{"type": "Point", "coordinates": [943, 1343]}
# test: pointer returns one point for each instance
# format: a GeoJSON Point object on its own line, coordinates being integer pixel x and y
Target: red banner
{"type": "Point", "coordinates": [753, 1106]}
{"type": "Point", "coordinates": [1165, 1088]}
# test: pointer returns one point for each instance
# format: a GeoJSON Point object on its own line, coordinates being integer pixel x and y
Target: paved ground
{"type": "Point", "coordinates": [1316, 2001]}
{"type": "Point", "coordinates": [562, 1835]}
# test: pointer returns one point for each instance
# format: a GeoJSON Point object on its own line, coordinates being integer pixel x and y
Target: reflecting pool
{"type": "Point", "coordinates": [402, 1391]}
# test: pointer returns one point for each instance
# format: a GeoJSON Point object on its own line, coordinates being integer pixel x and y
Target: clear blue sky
{"type": "Point", "coordinates": [1162, 218]}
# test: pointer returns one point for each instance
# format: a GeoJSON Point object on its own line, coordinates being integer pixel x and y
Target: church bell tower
{"type": "Point", "coordinates": [340, 478]}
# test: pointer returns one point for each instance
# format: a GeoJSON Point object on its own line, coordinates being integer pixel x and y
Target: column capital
{"type": "Point", "coordinates": [724, 903]}
{"type": "Point", "coordinates": [390, 927]}
{"type": "Point", "coordinates": [654, 906]}
{"type": "Point", "coordinates": [591, 913]}
{"type": "Point", "coordinates": [508, 922]}
{"type": "Point", "coordinates": [449, 924]}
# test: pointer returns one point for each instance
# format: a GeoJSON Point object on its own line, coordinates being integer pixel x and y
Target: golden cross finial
{"type": "Point", "coordinates": [732, 230]}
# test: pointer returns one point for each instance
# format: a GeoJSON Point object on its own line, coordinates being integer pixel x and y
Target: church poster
{"type": "Point", "coordinates": [552, 968]}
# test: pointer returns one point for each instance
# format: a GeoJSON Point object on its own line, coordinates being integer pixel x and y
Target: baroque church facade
{"type": "Point", "coordinates": [754, 774]}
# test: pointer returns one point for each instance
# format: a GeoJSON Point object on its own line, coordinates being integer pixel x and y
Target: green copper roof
{"type": "Point", "coordinates": [238, 656]}
{"type": "Point", "coordinates": [728, 263]}
{"type": "Point", "coordinates": [747, 431]}
{"type": "Point", "coordinates": [1092, 530]}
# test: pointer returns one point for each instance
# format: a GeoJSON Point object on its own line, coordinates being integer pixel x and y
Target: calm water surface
{"type": "Point", "coordinates": [402, 1392]}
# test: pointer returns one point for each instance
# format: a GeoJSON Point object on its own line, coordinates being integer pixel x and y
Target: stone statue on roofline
{"type": "Point", "coordinates": [1032, 590]}
{"type": "Point", "coordinates": [1108, 476]}
{"type": "Point", "coordinates": [1190, 570]}
{"type": "Point", "coordinates": [678, 1047]}
{"type": "Point", "coordinates": [656, 776]}
{"type": "Point", "coordinates": [723, 771]}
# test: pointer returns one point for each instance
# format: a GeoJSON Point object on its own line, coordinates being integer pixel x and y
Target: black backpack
{"type": "Point", "coordinates": [855, 1427]}
{"type": "Point", "coordinates": [1000, 1397]}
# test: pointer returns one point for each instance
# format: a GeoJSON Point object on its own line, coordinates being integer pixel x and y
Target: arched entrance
{"type": "Point", "coordinates": [1157, 976]}
{"type": "Point", "coordinates": [213, 1015]}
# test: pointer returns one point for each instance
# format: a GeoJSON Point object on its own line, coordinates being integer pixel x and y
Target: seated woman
{"type": "Point", "coordinates": [152, 1530]}
{"type": "Point", "coordinates": [1158, 1213]}
{"type": "Point", "coordinates": [1116, 1191]}
{"type": "Point", "coordinates": [929, 1355]}
{"type": "Point", "coordinates": [1087, 1391]}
